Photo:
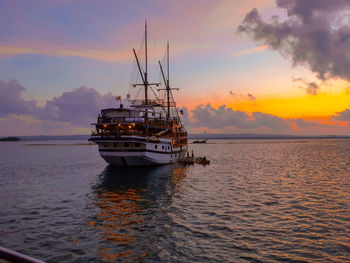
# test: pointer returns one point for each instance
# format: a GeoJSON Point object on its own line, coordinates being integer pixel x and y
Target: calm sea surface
{"type": "Point", "coordinates": [258, 201]}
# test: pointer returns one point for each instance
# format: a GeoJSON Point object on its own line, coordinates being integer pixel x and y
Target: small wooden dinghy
{"type": "Point", "coordinates": [202, 160]}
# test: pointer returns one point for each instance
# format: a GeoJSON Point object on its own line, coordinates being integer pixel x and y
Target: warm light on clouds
{"type": "Point", "coordinates": [73, 111]}
{"type": "Point", "coordinates": [105, 55]}
{"type": "Point", "coordinates": [122, 55]}
{"type": "Point", "coordinates": [249, 51]}
{"type": "Point", "coordinates": [60, 63]}
{"type": "Point", "coordinates": [298, 107]}
{"type": "Point", "coordinates": [11, 50]}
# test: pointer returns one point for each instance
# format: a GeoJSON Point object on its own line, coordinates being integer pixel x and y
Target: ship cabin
{"type": "Point", "coordinates": [138, 121]}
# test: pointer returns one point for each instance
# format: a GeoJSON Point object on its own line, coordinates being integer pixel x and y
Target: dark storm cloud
{"type": "Point", "coordinates": [316, 33]}
{"type": "Point", "coordinates": [206, 115]}
{"type": "Point", "coordinates": [305, 9]}
{"type": "Point", "coordinates": [12, 101]}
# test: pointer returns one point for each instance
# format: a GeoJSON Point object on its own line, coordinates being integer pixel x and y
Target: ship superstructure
{"type": "Point", "coordinates": [142, 131]}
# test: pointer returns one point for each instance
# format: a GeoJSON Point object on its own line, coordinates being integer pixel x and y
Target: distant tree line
{"type": "Point", "coordinates": [9, 139]}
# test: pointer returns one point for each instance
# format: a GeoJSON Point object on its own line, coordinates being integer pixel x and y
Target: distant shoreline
{"type": "Point", "coordinates": [190, 136]}
{"type": "Point", "coordinates": [9, 139]}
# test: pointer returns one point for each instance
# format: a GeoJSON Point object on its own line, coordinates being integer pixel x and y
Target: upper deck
{"type": "Point", "coordinates": [139, 122]}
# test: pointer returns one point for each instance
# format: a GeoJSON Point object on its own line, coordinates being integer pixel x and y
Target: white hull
{"type": "Point", "coordinates": [138, 159]}
{"type": "Point", "coordinates": [136, 151]}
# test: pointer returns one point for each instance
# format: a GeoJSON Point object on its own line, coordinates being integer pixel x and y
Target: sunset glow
{"type": "Point", "coordinates": [217, 58]}
{"type": "Point", "coordinates": [323, 105]}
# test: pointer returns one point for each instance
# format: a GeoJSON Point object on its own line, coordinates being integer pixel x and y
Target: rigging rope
{"type": "Point", "coordinates": [155, 95]}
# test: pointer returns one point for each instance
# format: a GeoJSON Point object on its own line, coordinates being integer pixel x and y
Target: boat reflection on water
{"type": "Point", "coordinates": [126, 198]}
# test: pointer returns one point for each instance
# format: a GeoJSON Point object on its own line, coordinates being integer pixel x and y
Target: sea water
{"type": "Point", "coordinates": [257, 201]}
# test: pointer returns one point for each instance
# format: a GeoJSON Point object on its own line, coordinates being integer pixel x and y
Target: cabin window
{"type": "Point", "coordinates": [155, 146]}
{"type": "Point", "coordinates": [168, 147]}
{"type": "Point", "coordinates": [126, 144]}
{"type": "Point", "coordinates": [115, 144]}
{"type": "Point", "coordinates": [171, 155]}
{"type": "Point", "coordinates": [105, 144]}
{"type": "Point", "coordinates": [137, 144]}
{"type": "Point", "coordinates": [163, 147]}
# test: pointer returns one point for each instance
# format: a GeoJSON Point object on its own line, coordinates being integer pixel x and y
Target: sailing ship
{"type": "Point", "coordinates": [200, 141]}
{"type": "Point", "coordinates": [203, 140]}
{"type": "Point", "coordinates": [142, 131]}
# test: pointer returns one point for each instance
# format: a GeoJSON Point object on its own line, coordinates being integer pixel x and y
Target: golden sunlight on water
{"type": "Point", "coordinates": [178, 175]}
{"type": "Point", "coordinates": [119, 212]}
{"type": "Point", "coordinates": [258, 201]}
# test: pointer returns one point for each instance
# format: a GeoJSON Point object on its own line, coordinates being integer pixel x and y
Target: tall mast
{"type": "Point", "coordinates": [167, 84]}
{"type": "Point", "coordinates": [146, 73]}
{"type": "Point", "coordinates": [168, 61]}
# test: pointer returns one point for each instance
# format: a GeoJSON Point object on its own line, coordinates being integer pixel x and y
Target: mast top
{"type": "Point", "coordinates": [144, 74]}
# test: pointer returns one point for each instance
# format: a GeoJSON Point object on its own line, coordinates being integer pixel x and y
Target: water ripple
{"type": "Point", "coordinates": [258, 201]}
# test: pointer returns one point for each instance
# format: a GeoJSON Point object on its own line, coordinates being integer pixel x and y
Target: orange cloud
{"type": "Point", "coordinates": [10, 50]}
{"type": "Point", "coordinates": [319, 106]}
{"type": "Point", "coordinates": [113, 55]}
{"type": "Point", "coordinates": [250, 51]}
{"type": "Point", "coordinates": [99, 54]}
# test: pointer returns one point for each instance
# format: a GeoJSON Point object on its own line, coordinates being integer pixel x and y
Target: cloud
{"type": "Point", "coordinates": [342, 116]}
{"type": "Point", "coordinates": [315, 33]}
{"type": "Point", "coordinates": [119, 55]}
{"type": "Point", "coordinates": [208, 116]}
{"type": "Point", "coordinates": [305, 10]}
{"type": "Point", "coordinates": [12, 101]}
{"type": "Point", "coordinates": [250, 51]}
{"type": "Point", "coordinates": [271, 122]}
{"type": "Point", "coordinates": [19, 125]}
{"type": "Point", "coordinates": [251, 97]}
{"type": "Point", "coordinates": [78, 107]}
{"type": "Point", "coordinates": [227, 120]}
{"type": "Point", "coordinates": [236, 95]}
{"type": "Point", "coordinates": [311, 88]}
{"type": "Point", "coordinates": [73, 111]}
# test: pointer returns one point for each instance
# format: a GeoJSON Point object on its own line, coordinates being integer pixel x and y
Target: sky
{"type": "Point", "coordinates": [242, 66]}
